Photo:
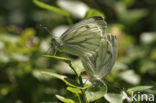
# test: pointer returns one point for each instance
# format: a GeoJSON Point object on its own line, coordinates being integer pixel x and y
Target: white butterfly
{"type": "Point", "coordinates": [87, 39]}
{"type": "Point", "coordinates": [83, 37]}
{"type": "Point", "coordinates": [99, 64]}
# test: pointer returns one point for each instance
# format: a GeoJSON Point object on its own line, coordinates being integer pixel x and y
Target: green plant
{"type": "Point", "coordinates": [85, 92]}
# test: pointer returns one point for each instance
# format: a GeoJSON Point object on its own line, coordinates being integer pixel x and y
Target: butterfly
{"type": "Point", "coordinates": [88, 40]}
{"type": "Point", "coordinates": [99, 64]}
{"type": "Point", "coordinates": [81, 38]}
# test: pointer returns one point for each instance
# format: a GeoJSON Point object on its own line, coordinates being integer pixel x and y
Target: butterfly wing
{"type": "Point", "coordinates": [106, 55]}
{"type": "Point", "coordinates": [83, 37]}
{"type": "Point", "coordinates": [99, 64]}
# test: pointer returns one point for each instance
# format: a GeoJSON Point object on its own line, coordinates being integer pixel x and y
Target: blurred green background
{"type": "Point", "coordinates": [23, 42]}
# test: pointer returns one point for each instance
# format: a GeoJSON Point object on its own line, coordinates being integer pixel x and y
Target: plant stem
{"type": "Point", "coordinates": [79, 98]}
{"type": "Point", "coordinates": [83, 90]}
{"type": "Point", "coordinates": [81, 83]}
{"type": "Point", "coordinates": [71, 66]}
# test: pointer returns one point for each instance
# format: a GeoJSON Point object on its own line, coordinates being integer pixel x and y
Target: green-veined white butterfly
{"type": "Point", "coordinates": [83, 37]}
{"type": "Point", "coordinates": [87, 39]}
{"type": "Point", "coordinates": [100, 63]}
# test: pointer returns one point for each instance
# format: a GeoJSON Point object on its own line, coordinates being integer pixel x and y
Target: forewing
{"type": "Point", "coordinates": [84, 36]}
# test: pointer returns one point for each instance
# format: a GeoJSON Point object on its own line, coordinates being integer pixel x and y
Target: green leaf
{"type": "Point", "coordinates": [127, 16]}
{"type": "Point", "coordinates": [153, 54]}
{"type": "Point", "coordinates": [8, 38]}
{"type": "Point", "coordinates": [114, 98]}
{"type": "Point", "coordinates": [63, 78]}
{"type": "Point", "coordinates": [95, 92]}
{"type": "Point", "coordinates": [128, 3]}
{"type": "Point", "coordinates": [74, 90]}
{"type": "Point", "coordinates": [73, 7]}
{"type": "Point", "coordinates": [78, 67]}
{"type": "Point", "coordinates": [77, 72]}
{"type": "Point", "coordinates": [5, 58]}
{"type": "Point", "coordinates": [130, 77]}
{"type": "Point", "coordinates": [51, 8]}
{"type": "Point", "coordinates": [64, 100]}
{"type": "Point", "coordinates": [93, 12]}
{"type": "Point", "coordinates": [62, 67]}
{"type": "Point", "coordinates": [138, 88]}
{"type": "Point", "coordinates": [58, 58]}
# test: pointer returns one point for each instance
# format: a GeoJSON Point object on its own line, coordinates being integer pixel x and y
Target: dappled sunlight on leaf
{"type": "Point", "coordinates": [96, 91]}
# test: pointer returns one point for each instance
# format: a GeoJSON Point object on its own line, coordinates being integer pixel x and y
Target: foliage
{"type": "Point", "coordinates": [23, 43]}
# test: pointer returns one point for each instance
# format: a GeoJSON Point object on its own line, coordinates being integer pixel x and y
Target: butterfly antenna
{"type": "Point", "coordinates": [47, 30]}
